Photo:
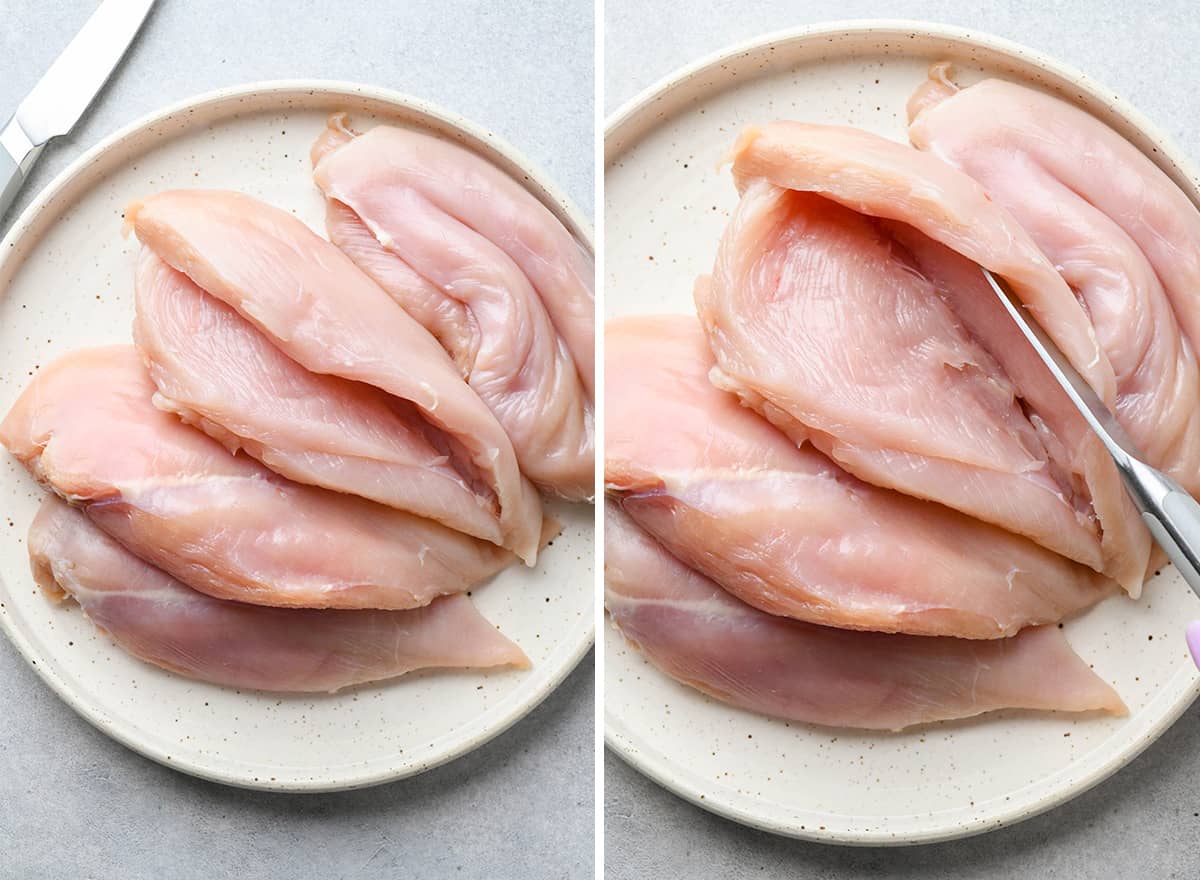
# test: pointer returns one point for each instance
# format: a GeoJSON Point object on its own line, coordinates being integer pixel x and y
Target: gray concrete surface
{"type": "Point", "coordinates": [1145, 821]}
{"type": "Point", "coordinates": [74, 804]}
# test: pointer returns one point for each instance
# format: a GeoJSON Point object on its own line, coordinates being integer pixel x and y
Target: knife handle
{"type": "Point", "coordinates": [1173, 518]}
{"type": "Point", "coordinates": [1171, 514]}
{"type": "Point", "coordinates": [11, 178]}
{"type": "Point", "coordinates": [1176, 527]}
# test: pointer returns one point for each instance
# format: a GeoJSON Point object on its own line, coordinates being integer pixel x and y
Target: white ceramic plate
{"type": "Point", "coordinates": [66, 276]}
{"type": "Point", "coordinates": [666, 203]}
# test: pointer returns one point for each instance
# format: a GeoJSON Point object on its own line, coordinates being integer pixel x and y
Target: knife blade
{"type": "Point", "coordinates": [1098, 416]}
{"type": "Point", "coordinates": [1171, 514]}
{"type": "Point", "coordinates": [67, 88]}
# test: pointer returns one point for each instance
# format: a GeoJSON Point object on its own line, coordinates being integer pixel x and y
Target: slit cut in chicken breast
{"type": "Point", "coordinates": [222, 523]}
{"type": "Point", "coordinates": [699, 635]}
{"type": "Point", "coordinates": [838, 326]}
{"type": "Point", "coordinates": [1118, 230]}
{"type": "Point", "coordinates": [488, 270]}
{"type": "Point", "coordinates": [881, 178]}
{"type": "Point", "coordinates": [313, 303]}
{"type": "Point", "coordinates": [157, 619]}
{"type": "Point", "coordinates": [787, 531]}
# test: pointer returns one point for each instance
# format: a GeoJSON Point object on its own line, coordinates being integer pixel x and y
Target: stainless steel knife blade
{"type": "Point", "coordinates": [1170, 513]}
{"type": "Point", "coordinates": [67, 89]}
{"type": "Point", "coordinates": [1098, 416]}
{"type": "Point", "coordinates": [77, 75]}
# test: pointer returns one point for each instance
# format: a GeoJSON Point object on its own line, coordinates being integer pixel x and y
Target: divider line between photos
{"type": "Point", "coordinates": [598, 572]}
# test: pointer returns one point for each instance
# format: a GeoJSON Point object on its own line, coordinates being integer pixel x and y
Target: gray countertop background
{"type": "Point", "coordinates": [74, 804]}
{"type": "Point", "coordinates": [1143, 822]}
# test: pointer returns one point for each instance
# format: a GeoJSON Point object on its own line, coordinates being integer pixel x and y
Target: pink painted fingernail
{"type": "Point", "coordinates": [1193, 641]}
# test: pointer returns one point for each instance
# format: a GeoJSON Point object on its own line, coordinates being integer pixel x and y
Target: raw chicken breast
{"type": "Point", "coordinates": [219, 522]}
{"type": "Point", "coordinates": [488, 270]}
{"type": "Point", "coordinates": [786, 530]}
{"type": "Point", "coordinates": [216, 371]}
{"type": "Point", "coordinates": [823, 321]}
{"type": "Point", "coordinates": [881, 178]}
{"type": "Point", "coordinates": [154, 617]}
{"type": "Point", "coordinates": [1073, 448]}
{"type": "Point", "coordinates": [312, 302]}
{"type": "Point", "coordinates": [483, 197]}
{"type": "Point", "coordinates": [1092, 202]}
{"type": "Point", "coordinates": [698, 634]}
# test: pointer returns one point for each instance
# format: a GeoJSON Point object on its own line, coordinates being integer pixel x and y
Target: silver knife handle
{"type": "Point", "coordinates": [1171, 514]}
{"type": "Point", "coordinates": [17, 155]}
{"type": "Point", "coordinates": [11, 178]}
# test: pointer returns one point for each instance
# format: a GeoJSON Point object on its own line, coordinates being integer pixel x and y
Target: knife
{"type": "Point", "coordinates": [1170, 513]}
{"type": "Point", "coordinates": [66, 89]}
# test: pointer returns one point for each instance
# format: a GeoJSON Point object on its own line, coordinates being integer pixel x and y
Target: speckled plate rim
{"type": "Point", "coordinates": [443, 121]}
{"type": "Point", "coordinates": [624, 129]}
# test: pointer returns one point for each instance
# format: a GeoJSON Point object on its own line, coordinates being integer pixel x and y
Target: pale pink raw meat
{"type": "Point", "coordinates": [995, 118]}
{"type": "Point", "coordinates": [698, 634]}
{"type": "Point", "coordinates": [821, 319]}
{"type": "Point", "coordinates": [156, 618]}
{"type": "Point", "coordinates": [216, 371]}
{"type": "Point", "coordinates": [786, 530]}
{"type": "Point", "coordinates": [881, 178]}
{"type": "Point", "coordinates": [1074, 453]}
{"type": "Point", "coordinates": [489, 201]}
{"type": "Point", "coordinates": [488, 270]}
{"type": "Point", "coordinates": [219, 522]}
{"type": "Point", "coordinates": [1119, 231]}
{"type": "Point", "coordinates": [311, 301]}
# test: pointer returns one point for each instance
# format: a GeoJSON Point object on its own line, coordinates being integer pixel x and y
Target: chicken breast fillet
{"type": "Point", "coordinates": [878, 177]}
{"type": "Point", "coordinates": [222, 523]}
{"type": "Point", "coordinates": [1121, 234]}
{"type": "Point", "coordinates": [822, 318]}
{"type": "Point", "coordinates": [790, 533]}
{"type": "Point", "coordinates": [217, 372]}
{"type": "Point", "coordinates": [699, 635]}
{"type": "Point", "coordinates": [157, 619]}
{"type": "Point", "coordinates": [488, 200]}
{"type": "Point", "coordinates": [488, 270]}
{"type": "Point", "coordinates": [313, 303]}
